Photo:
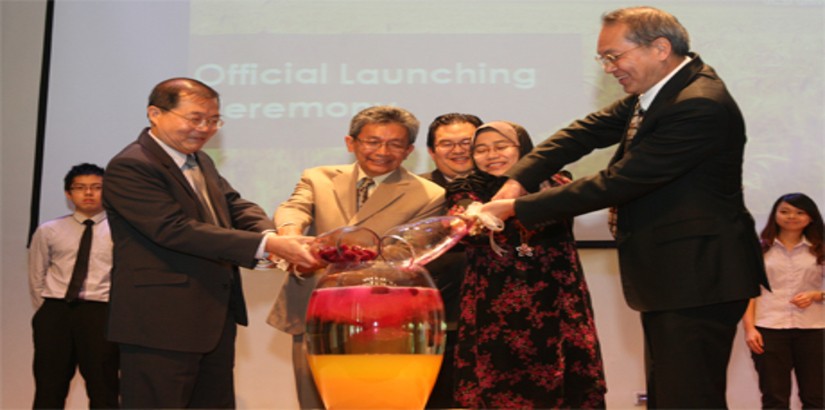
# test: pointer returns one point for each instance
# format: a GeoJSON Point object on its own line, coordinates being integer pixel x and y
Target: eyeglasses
{"type": "Point", "coordinates": [198, 122]}
{"type": "Point", "coordinates": [485, 149]}
{"type": "Point", "coordinates": [450, 145]}
{"type": "Point", "coordinates": [606, 59]}
{"type": "Point", "coordinates": [84, 188]}
{"type": "Point", "coordinates": [376, 144]}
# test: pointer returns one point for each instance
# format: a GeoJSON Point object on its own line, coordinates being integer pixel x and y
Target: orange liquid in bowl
{"type": "Point", "coordinates": [375, 347]}
{"type": "Point", "coordinates": [378, 381]}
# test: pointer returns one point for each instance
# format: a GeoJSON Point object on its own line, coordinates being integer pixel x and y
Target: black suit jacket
{"type": "Point", "coordinates": [175, 277]}
{"type": "Point", "coordinates": [685, 238]}
{"type": "Point", "coordinates": [448, 269]}
{"type": "Point", "coordinates": [436, 176]}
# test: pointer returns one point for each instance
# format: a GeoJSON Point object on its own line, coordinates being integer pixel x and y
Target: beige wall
{"type": "Point", "coordinates": [263, 370]}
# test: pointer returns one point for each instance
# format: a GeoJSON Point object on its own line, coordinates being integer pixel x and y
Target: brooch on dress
{"type": "Point", "coordinates": [524, 250]}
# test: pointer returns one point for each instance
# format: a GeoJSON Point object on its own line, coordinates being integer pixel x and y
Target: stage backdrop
{"type": "Point", "coordinates": [292, 74]}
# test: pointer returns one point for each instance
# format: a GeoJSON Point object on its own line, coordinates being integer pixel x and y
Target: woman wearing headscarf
{"type": "Point", "coordinates": [527, 338]}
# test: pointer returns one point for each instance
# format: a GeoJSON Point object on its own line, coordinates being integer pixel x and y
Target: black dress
{"type": "Point", "coordinates": [526, 333]}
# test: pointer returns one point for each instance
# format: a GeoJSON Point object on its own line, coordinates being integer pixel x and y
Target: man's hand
{"type": "Point", "coordinates": [292, 248]}
{"type": "Point", "coordinates": [510, 190]}
{"type": "Point", "coordinates": [502, 209]}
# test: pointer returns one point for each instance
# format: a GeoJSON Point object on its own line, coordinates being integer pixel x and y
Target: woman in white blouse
{"type": "Point", "coordinates": [784, 327]}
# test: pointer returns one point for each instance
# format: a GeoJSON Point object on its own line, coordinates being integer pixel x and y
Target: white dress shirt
{"type": "Point", "coordinates": [790, 272]}
{"type": "Point", "coordinates": [52, 257]}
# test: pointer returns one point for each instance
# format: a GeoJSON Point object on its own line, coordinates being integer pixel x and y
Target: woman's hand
{"type": "Point", "coordinates": [804, 299]}
{"type": "Point", "coordinates": [754, 340]}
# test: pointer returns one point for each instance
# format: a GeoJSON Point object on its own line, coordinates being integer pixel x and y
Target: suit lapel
{"type": "Point", "coordinates": [210, 175]}
{"type": "Point", "coordinates": [388, 192]}
{"type": "Point", "coordinates": [166, 161]}
{"type": "Point", "coordinates": [630, 103]}
{"type": "Point", "coordinates": [664, 97]}
{"type": "Point", "coordinates": [344, 186]}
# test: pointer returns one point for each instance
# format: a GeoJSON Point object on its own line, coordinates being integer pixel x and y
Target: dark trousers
{"type": "Point", "coordinates": [687, 353]}
{"type": "Point", "coordinates": [308, 395]}
{"type": "Point", "coordinates": [442, 394]}
{"type": "Point", "coordinates": [69, 336]}
{"type": "Point", "coordinates": [157, 378]}
{"type": "Point", "coordinates": [791, 350]}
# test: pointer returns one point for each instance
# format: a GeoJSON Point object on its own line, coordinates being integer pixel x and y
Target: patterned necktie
{"type": "Point", "coordinates": [364, 191]}
{"type": "Point", "coordinates": [81, 264]}
{"type": "Point", "coordinates": [632, 127]}
{"type": "Point", "coordinates": [193, 173]}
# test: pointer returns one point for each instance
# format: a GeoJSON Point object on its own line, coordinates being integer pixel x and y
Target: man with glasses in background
{"type": "Point", "coordinates": [375, 192]}
{"type": "Point", "coordinates": [448, 142]}
{"type": "Point", "coordinates": [688, 253]}
{"type": "Point", "coordinates": [180, 232]}
{"type": "Point", "coordinates": [70, 259]}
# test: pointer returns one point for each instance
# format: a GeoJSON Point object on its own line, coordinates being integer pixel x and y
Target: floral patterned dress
{"type": "Point", "coordinates": [526, 333]}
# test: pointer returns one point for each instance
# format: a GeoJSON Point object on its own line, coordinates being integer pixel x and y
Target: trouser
{"type": "Point", "coordinates": [687, 353]}
{"type": "Point", "coordinates": [791, 350]}
{"type": "Point", "coordinates": [69, 336]}
{"type": "Point", "coordinates": [308, 396]}
{"type": "Point", "coordinates": [442, 394]}
{"type": "Point", "coordinates": [158, 378]}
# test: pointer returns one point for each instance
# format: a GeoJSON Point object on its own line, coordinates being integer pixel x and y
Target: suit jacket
{"type": "Point", "coordinates": [685, 238]}
{"type": "Point", "coordinates": [324, 199]}
{"type": "Point", "coordinates": [436, 176]}
{"type": "Point", "coordinates": [448, 269]}
{"type": "Point", "coordinates": [175, 277]}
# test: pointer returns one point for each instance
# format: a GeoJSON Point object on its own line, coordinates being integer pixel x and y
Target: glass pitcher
{"type": "Point", "coordinates": [375, 322]}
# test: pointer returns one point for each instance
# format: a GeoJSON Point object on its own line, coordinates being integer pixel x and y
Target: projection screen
{"type": "Point", "coordinates": [292, 73]}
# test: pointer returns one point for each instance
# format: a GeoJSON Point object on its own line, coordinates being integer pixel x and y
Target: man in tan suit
{"type": "Point", "coordinates": [330, 197]}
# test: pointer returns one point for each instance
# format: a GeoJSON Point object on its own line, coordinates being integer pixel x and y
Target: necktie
{"type": "Point", "coordinates": [632, 127]}
{"type": "Point", "coordinates": [364, 191]}
{"type": "Point", "coordinates": [195, 176]}
{"type": "Point", "coordinates": [81, 264]}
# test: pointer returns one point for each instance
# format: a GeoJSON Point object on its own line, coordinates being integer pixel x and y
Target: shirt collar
{"type": "Point", "coordinates": [98, 217]}
{"type": "Point", "coordinates": [804, 242]}
{"type": "Point", "coordinates": [177, 156]}
{"type": "Point", "coordinates": [378, 179]}
{"type": "Point", "coordinates": [647, 98]}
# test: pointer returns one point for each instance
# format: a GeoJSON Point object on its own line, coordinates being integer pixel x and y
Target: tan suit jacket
{"type": "Point", "coordinates": [324, 199]}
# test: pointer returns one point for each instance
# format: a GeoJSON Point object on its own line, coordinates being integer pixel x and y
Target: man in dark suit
{"type": "Point", "coordinates": [180, 231]}
{"type": "Point", "coordinates": [688, 252]}
{"type": "Point", "coordinates": [448, 142]}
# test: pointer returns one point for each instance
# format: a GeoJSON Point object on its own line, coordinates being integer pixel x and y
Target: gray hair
{"type": "Point", "coordinates": [646, 24]}
{"type": "Point", "coordinates": [385, 114]}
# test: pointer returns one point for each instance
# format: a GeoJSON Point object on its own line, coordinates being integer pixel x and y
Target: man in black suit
{"type": "Point", "coordinates": [688, 252]}
{"type": "Point", "coordinates": [448, 142]}
{"type": "Point", "coordinates": [180, 231]}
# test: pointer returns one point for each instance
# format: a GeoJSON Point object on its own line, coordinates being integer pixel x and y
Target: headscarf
{"type": "Point", "coordinates": [512, 131]}
{"type": "Point", "coordinates": [480, 182]}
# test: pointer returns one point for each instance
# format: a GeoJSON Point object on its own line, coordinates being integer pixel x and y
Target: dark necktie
{"type": "Point", "coordinates": [81, 264]}
{"type": "Point", "coordinates": [635, 120]}
{"type": "Point", "coordinates": [193, 172]}
{"type": "Point", "coordinates": [364, 191]}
